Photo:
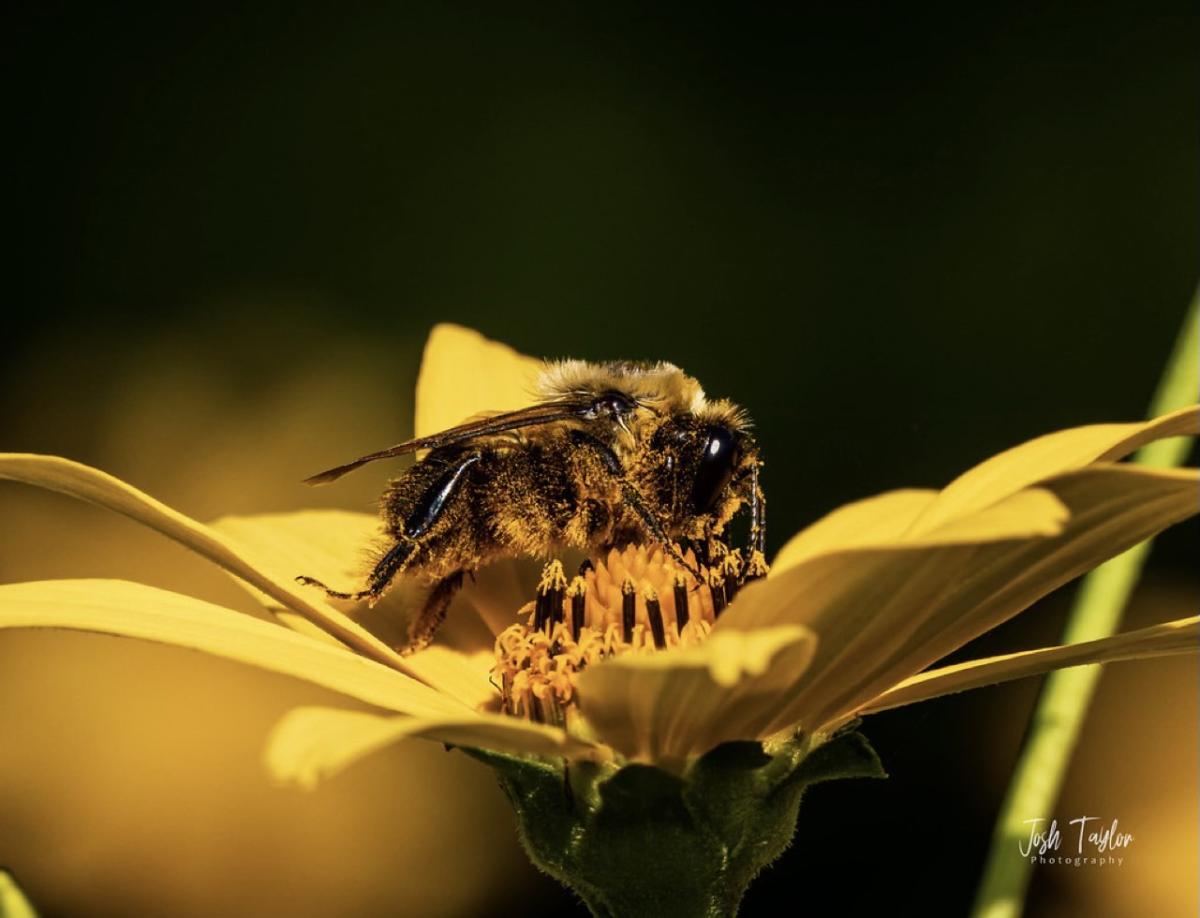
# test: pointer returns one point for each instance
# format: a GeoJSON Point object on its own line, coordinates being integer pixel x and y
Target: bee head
{"type": "Point", "coordinates": [703, 457]}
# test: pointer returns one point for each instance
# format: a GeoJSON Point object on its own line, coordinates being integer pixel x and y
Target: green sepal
{"type": "Point", "coordinates": [634, 839]}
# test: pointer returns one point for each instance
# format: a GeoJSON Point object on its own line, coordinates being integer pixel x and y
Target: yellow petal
{"type": "Point", "coordinates": [874, 521]}
{"type": "Point", "coordinates": [666, 707]}
{"type": "Point", "coordinates": [1046, 456]}
{"type": "Point", "coordinates": [148, 613]}
{"type": "Point", "coordinates": [462, 676]}
{"type": "Point", "coordinates": [1024, 515]}
{"type": "Point", "coordinates": [314, 742]}
{"type": "Point", "coordinates": [498, 591]}
{"type": "Point", "coordinates": [465, 374]}
{"type": "Point", "coordinates": [885, 520]}
{"type": "Point", "coordinates": [885, 613]}
{"type": "Point", "coordinates": [334, 546]}
{"type": "Point", "coordinates": [1177, 637]}
{"type": "Point", "coordinates": [13, 903]}
{"type": "Point", "coordinates": [1113, 507]}
{"type": "Point", "coordinates": [329, 545]}
{"type": "Point", "coordinates": [81, 481]}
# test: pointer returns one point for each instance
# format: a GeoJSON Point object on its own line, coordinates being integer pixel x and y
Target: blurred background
{"type": "Point", "coordinates": [903, 237]}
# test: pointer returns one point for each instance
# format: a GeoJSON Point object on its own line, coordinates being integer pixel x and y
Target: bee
{"type": "Point", "coordinates": [611, 453]}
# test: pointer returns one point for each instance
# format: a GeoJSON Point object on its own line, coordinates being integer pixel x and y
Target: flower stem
{"type": "Point", "coordinates": [1060, 711]}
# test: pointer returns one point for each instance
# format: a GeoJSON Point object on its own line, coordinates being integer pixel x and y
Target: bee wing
{"type": "Point", "coordinates": [533, 416]}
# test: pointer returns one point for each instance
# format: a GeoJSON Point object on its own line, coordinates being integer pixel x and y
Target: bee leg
{"type": "Point", "coordinates": [758, 513]}
{"type": "Point", "coordinates": [387, 568]}
{"type": "Point", "coordinates": [633, 497]}
{"type": "Point", "coordinates": [427, 511]}
{"type": "Point", "coordinates": [756, 562]}
{"type": "Point", "coordinates": [422, 628]}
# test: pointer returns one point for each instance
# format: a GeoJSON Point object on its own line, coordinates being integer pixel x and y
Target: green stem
{"type": "Point", "coordinates": [1060, 712]}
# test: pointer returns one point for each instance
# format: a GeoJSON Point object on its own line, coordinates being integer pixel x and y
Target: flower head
{"type": "Point", "coordinates": [640, 657]}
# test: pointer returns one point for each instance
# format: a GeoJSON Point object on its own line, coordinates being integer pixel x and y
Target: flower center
{"type": "Point", "coordinates": [638, 600]}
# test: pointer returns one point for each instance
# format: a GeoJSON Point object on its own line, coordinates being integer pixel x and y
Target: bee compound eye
{"type": "Point", "coordinates": [715, 468]}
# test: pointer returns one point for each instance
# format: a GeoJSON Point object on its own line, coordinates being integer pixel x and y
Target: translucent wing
{"type": "Point", "coordinates": [533, 416]}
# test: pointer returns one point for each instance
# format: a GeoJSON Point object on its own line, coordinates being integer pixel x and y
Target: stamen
{"type": "Point", "coordinates": [716, 583]}
{"type": "Point", "coordinates": [681, 602]}
{"type": "Point", "coordinates": [639, 599]}
{"type": "Point", "coordinates": [577, 593]}
{"type": "Point", "coordinates": [628, 607]}
{"type": "Point", "coordinates": [548, 608]}
{"type": "Point", "coordinates": [541, 611]}
{"type": "Point", "coordinates": [654, 613]}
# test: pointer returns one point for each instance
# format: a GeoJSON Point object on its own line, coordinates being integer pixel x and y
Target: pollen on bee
{"type": "Point", "coordinates": [635, 600]}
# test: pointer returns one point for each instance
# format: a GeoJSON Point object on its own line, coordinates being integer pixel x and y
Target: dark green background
{"type": "Point", "coordinates": [904, 237]}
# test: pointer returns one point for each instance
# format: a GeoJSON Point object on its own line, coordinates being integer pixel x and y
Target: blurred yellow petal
{"type": "Point", "coordinates": [13, 903]}
{"type": "Point", "coordinates": [312, 743]}
{"type": "Point", "coordinates": [465, 374]}
{"type": "Point", "coordinates": [664, 707]}
{"type": "Point", "coordinates": [1170, 638]}
{"type": "Point", "coordinates": [1046, 456]}
{"type": "Point", "coordinates": [138, 611]}
{"type": "Point", "coordinates": [885, 613]}
{"type": "Point", "coordinates": [85, 483]}
{"type": "Point", "coordinates": [884, 520]}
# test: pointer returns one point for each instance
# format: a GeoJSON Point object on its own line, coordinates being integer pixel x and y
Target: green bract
{"type": "Point", "coordinates": [637, 840]}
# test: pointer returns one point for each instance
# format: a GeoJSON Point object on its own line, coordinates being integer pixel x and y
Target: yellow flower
{"type": "Point", "coordinates": [853, 611]}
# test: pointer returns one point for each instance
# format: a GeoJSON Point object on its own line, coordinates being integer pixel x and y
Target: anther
{"type": "Point", "coordinates": [716, 586]}
{"type": "Point", "coordinates": [577, 593]}
{"type": "Point", "coordinates": [654, 613]}
{"type": "Point", "coordinates": [549, 604]}
{"type": "Point", "coordinates": [681, 602]}
{"type": "Point", "coordinates": [628, 607]}
{"type": "Point", "coordinates": [756, 567]}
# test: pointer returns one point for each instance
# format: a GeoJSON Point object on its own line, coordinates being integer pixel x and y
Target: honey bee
{"type": "Point", "coordinates": [611, 454]}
